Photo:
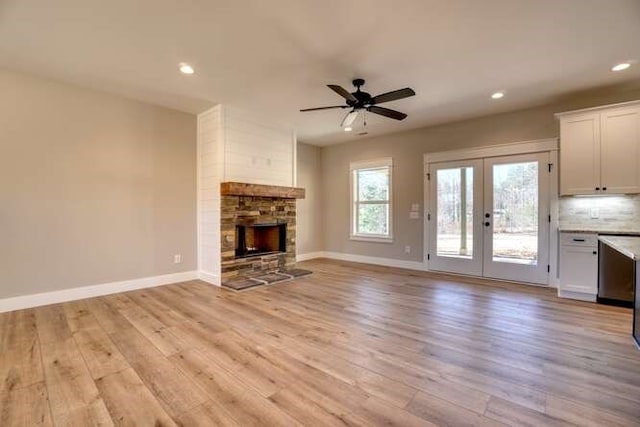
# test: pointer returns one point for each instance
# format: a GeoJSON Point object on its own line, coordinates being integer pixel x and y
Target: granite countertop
{"type": "Point", "coordinates": [626, 245]}
{"type": "Point", "coordinates": [598, 231]}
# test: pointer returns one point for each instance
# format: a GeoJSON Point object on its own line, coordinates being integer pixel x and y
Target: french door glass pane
{"type": "Point", "coordinates": [373, 219]}
{"type": "Point", "coordinates": [515, 213]}
{"type": "Point", "coordinates": [455, 212]}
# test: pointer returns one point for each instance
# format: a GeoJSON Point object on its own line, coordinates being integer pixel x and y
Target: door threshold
{"type": "Point", "coordinates": [489, 279]}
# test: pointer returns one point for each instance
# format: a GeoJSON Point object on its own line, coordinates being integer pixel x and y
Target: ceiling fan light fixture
{"type": "Point", "coordinates": [349, 118]}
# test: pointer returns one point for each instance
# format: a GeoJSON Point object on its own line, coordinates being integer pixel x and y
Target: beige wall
{"type": "Point", "coordinates": [309, 236]}
{"type": "Point", "coordinates": [94, 188]}
{"type": "Point", "coordinates": [407, 149]}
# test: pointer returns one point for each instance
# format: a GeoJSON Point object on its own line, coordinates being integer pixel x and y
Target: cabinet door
{"type": "Point", "coordinates": [580, 154]}
{"type": "Point", "coordinates": [620, 151]}
{"type": "Point", "coordinates": [579, 269]}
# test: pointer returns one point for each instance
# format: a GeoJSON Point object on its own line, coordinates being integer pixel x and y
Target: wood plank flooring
{"type": "Point", "coordinates": [350, 345]}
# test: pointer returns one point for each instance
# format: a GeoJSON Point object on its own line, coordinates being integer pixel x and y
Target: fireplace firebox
{"type": "Point", "coordinates": [260, 239]}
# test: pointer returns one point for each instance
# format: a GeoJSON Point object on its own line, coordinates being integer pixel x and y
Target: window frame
{"type": "Point", "coordinates": [354, 168]}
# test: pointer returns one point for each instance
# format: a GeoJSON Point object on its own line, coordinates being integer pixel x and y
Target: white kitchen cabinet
{"type": "Point", "coordinates": [578, 266]}
{"type": "Point", "coordinates": [580, 154]}
{"type": "Point", "coordinates": [620, 150]}
{"type": "Point", "coordinates": [600, 150]}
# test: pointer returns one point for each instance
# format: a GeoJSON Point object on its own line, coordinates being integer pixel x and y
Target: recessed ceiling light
{"type": "Point", "coordinates": [621, 66]}
{"type": "Point", "coordinates": [497, 95]}
{"type": "Point", "coordinates": [348, 129]}
{"type": "Point", "coordinates": [186, 68]}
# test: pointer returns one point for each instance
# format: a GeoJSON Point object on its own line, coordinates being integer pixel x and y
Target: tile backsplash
{"type": "Point", "coordinates": [602, 213]}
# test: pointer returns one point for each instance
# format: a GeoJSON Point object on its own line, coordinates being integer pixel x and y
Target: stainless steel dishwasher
{"type": "Point", "coordinates": [616, 273]}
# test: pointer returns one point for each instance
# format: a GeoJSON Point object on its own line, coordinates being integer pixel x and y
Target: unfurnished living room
{"type": "Point", "coordinates": [320, 213]}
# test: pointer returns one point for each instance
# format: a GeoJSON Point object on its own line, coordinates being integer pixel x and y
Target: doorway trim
{"type": "Point", "coordinates": [549, 145]}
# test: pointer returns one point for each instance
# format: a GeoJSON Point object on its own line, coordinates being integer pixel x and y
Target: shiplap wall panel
{"type": "Point", "coordinates": [257, 153]}
{"type": "Point", "coordinates": [210, 171]}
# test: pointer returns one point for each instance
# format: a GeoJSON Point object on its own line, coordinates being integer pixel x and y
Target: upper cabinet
{"type": "Point", "coordinates": [580, 154]}
{"type": "Point", "coordinates": [620, 150]}
{"type": "Point", "coordinates": [600, 150]}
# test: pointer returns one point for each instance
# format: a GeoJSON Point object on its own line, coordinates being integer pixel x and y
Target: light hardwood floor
{"type": "Point", "coordinates": [349, 345]}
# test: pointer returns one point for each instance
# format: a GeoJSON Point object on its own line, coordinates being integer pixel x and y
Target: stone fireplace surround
{"type": "Point", "coordinates": [243, 204]}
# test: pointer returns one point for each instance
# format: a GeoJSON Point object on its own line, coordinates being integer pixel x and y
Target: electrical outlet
{"type": "Point", "coordinates": [177, 259]}
{"type": "Point", "coordinates": [594, 213]}
{"type": "Point", "coordinates": [407, 249]}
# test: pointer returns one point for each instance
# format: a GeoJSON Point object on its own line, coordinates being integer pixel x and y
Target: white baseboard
{"type": "Point", "coordinates": [211, 278]}
{"type": "Point", "coordinates": [64, 295]}
{"type": "Point", "coordinates": [387, 262]}
{"type": "Point", "coordinates": [582, 296]}
{"type": "Point", "coordinates": [310, 255]}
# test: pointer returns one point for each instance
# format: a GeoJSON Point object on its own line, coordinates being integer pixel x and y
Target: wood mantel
{"type": "Point", "coordinates": [257, 190]}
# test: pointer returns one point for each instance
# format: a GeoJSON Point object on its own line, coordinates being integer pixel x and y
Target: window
{"type": "Point", "coordinates": [371, 200]}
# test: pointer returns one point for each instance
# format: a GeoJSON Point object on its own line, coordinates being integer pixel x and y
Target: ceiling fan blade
{"type": "Point", "coordinates": [343, 93]}
{"type": "Point", "coordinates": [324, 108]}
{"type": "Point", "coordinates": [392, 96]}
{"type": "Point", "coordinates": [392, 114]}
{"type": "Point", "coordinates": [349, 118]}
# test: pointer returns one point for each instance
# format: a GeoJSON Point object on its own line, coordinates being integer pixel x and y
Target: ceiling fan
{"type": "Point", "coordinates": [362, 101]}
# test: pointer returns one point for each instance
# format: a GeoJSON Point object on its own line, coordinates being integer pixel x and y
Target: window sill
{"type": "Point", "coordinates": [375, 239]}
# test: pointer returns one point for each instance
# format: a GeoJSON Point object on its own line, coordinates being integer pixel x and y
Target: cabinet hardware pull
{"type": "Point", "coordinates": [595, 253]}
{"type": "Point", "coordinates": [578, 240]}
{"type": "Point", "coordinates": [597, 188]}
{"type": "Point", "coordinates": [604, 188]}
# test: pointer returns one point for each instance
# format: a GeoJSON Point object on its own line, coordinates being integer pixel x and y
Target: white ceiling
{"type": "Point", "coordinates": [277, 56]}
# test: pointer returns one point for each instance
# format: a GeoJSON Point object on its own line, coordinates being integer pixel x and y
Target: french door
{"type": "Point", "coordinates": [455, 220]}
{"type": "Point", "coordinates": [489, 217]}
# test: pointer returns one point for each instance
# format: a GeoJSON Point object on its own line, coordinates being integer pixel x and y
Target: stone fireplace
{"type": "Point", "coordinates": [258, 229]}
